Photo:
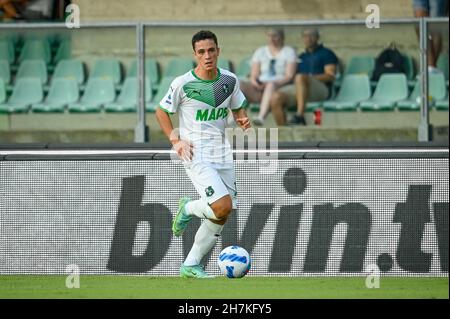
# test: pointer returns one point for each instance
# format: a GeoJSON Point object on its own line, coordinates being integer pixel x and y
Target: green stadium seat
{"type": "Point", "coordinates": [408, 64]}
{"type": "Point", "coordinates": [151, 71]}
{"type": "Point", "coordinates": [442, 64]}
{"type": "Point", "coordinates": [16, 41]}
{"type": "Point", "coordinates": [162, 90]}
{"type": "Point", "coordinates": [411, 103]}
{"type": "Point", "coordinates": [107, 69]}
{"type": "Point", "coordinates": [70, 69]}
{"type": "Point", "coordinates": [63, 52]}
{"type": "Point", "coordinates": [360, 64]}
{"type": "Point", "coordinates": [391, 88]}
{"type": "Point", "coordinates": [26, 92]}
{"type": "Point", "coordinates": [441, 105]}
{"type": "Point", "coordinates": [98, 91]}
{"type": "Point", "coordinates": [243, 69]}
{"type": "Point", "coordinates": [437, 90]}
{"type": "Point", "coordinates": [224, 64]}
{"type": "Point", "coordinates": [35, 49]}
{"type": "Point", "coordinates": [178, 66]}
{"type": "Point", "coordinates": [127, 100]}
{"type": "Point", "coordinates": [33, 69]}
{"type": "Point", "coordinates": [7, 51]}
{"type": "Point", "coordinates": [2, 91]}
{"type": "Point", "coordinates": [354, 89]}
{"type": "Point", "coordinates": [62, 92]}
{"type": "Point", "coordinates": [310, 106]}
{"type": "Point", "coordinates": [437, 87]}
{"type": "Point", "coordinates": [5, 72]}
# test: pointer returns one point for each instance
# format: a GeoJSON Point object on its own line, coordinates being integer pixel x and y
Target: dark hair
{"type": "Point", "coordinates": [203, 35]}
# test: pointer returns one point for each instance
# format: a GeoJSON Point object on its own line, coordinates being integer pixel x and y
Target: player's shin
{"type": "Point", "coordinates": [205, 239]}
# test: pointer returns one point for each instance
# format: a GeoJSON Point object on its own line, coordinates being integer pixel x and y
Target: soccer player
{"type": "Point", "coordinates": [203, 98]}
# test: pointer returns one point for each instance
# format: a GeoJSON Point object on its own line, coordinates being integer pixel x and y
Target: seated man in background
{"type": "Point", "coordinates": [315, 75]}
{"type": "Point", "coordinates": [9, 9]}
{"type": "Point", "coordinates": [272, 66]}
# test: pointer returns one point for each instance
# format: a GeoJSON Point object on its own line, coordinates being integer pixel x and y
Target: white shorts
{"type": "Point", "coordinates": [213, 181]}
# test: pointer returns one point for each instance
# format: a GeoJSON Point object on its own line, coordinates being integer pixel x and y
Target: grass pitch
{"type": "Point", "coordinates": [93, 287]}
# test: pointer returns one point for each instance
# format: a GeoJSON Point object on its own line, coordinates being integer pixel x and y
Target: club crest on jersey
{"type": "Point", "coordinates": [209, 191]}
{"type": "Point", "coordinates": [226, 88]}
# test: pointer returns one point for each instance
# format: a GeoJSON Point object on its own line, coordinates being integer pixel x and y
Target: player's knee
{"type": "Point", "coordinates": [222, 208]}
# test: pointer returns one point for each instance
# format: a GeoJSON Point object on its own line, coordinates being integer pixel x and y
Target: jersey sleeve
{"type": "Point", "coordinates": [171, 101]}
{"type": "Point", "coordinates": [238, 99]}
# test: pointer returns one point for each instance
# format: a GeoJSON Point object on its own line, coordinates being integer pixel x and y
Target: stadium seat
{"type": "Point", "coordinates": [70, 69]}
{"type": "Point", "coordinates": [27, 91]}
{"type": "Point", "coordinates": [437, 87]}
{"type": "Point", "coordinates": [7, 50]}
{"type": "Point", "coordinates": [360, 64]}
{"type": "Point", "coordinates": [391, 88]}
{"type": "Point", "coordinates": [35, 49]}
{"type": "Point", "coordinates": [162, 90]}
{"type": "Point", "coordinates": [62, 92]}
{"type": "Point", "coordinates": [107, 69]}
{"type": "Point", "coordinates": [33, 69]}
{"type": "Point", "coordinates": [98, 91]}
{"type": "Point", "coordinates": [243, 69]}
{"type": "Point", "coordinates": [151, 71]}
{"type": "Point", "coordinates": [442, 64]}
{"type": "Point", "coordinates": [441, 105]}
{"type": "Point", "coordinates": [2, 91]}
{"type": "Point", "coordinates": [408, 64]}
{"type": "Point", "coordinates": [224, 64]}
{"type": "Point", "coordinates": [310, 106]}
{"type": "Point", "coordinates": [63, 52]}
{"type": "Point", "coordinates": [5, 73]}
{"type": "Point", "coordinates": [178, 66]}
{"type": "Point", "coordinates": [354, 89]}
{"type": "Point", "coordinates": [411, 103]}
{"type": "Point", "coordinates": [437, 91]}
{"type": "Point", "coordinates": [127, 100]}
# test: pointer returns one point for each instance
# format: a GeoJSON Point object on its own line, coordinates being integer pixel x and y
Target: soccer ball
{"type": "Point", "coordinates": [234, 262]}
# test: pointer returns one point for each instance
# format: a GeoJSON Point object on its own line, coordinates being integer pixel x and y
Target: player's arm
{"type": "Point", "coordinates": [183, 148]}
{"type": "Point", "coordinates": [241, 118]}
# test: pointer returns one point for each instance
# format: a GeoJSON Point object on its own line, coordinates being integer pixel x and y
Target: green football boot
{"type": "Point", "coordinates": [196, 271]}
{"type": "Point", "coordinates": [181, 219]}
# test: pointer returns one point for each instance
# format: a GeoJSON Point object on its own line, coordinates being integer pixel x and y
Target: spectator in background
{"type": "Point", "coordinates": [431, 8]}
{"type": "Point", "coordinates": [272, 67]}
{"type": "Point", "coordinates": [10, 9]}
{"type": "Point", "coordinates": [315, 75]}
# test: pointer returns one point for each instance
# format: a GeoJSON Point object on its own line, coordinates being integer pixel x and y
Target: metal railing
{"type": "Point", "coordinates": [141, 129]}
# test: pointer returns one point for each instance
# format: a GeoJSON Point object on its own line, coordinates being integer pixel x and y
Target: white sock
{"type": "Point", "coordinates": [200, 208]}
{"type": "Point", "coordinates": [205, 239]}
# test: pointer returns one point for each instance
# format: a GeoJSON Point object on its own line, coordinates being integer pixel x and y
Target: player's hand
{"type": "Point", "coordinates": [184, 150]}
{"type": "Point", "coordinates": [243, 122]}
